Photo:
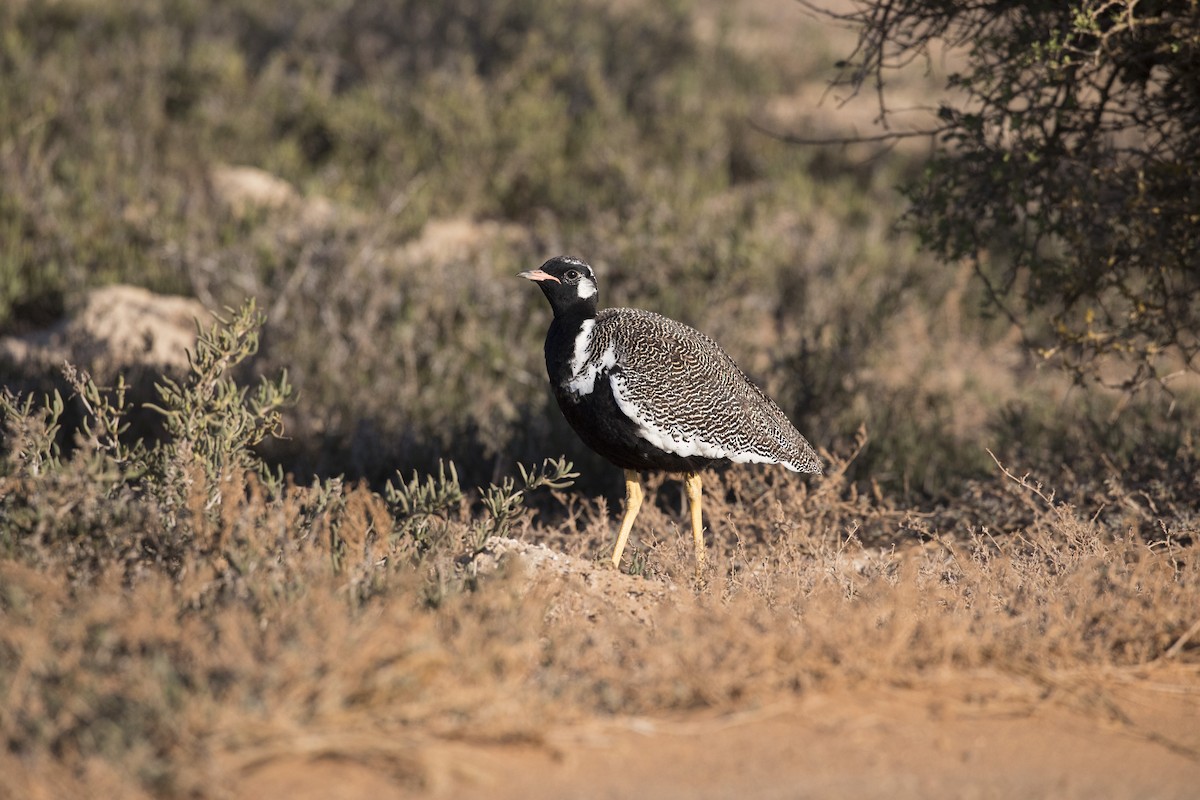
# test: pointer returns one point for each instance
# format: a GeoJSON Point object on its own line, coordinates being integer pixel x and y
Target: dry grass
{"type": "Point", "coordinates": [308, 625]}
{"type": "Point", "coordinates": [173, 618]}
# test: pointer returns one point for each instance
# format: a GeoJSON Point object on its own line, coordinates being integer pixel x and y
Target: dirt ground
{"type": "Point", "coordinates": [1109, 734]}
{"type": "Point", "coordinates": [887, 743]}
{"type": "Point", "coordinates": [1130, 733]}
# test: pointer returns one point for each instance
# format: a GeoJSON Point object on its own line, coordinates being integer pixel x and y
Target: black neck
{"type": "Point", "coordinates": [570, 305]}
{"type": "Point", "coordinates": [560, 339]}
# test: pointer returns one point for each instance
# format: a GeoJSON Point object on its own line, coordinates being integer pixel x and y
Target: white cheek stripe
{"type": "Point", "coordinates": [586, 288]}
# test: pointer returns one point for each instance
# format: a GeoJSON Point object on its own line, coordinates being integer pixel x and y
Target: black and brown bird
{"type": "Point", "coordinates": [649, 393]}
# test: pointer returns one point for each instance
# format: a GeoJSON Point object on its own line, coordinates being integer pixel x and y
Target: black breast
{"type": "Point", "coordinates": [607, 430]}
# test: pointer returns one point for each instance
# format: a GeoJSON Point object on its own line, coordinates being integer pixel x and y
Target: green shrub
{"type": "Point", "coordinates": [618, 133]}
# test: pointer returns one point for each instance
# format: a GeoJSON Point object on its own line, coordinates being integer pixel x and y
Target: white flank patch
{"type": "Point", "coordinates": [583, 370]}
{"type": "Point", "coordinates": [586, 288]}
{"type": "Point", "coordinates": [675, 441]}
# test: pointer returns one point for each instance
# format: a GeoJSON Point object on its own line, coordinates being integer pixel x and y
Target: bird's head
{"type": "Point", "coordinates": [567, 282]}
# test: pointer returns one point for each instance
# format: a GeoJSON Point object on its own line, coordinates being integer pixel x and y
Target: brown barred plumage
{"type": "Point", "coordinates": [688, 394]}
{"type": "Point", "coordinates": [647, 392]}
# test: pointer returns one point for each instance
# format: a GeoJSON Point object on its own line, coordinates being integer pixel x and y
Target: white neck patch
{"type": "Point", "coordinates": [583, 344]}
{"type": "Point", "coordinates": [586, 288]}
{"type": "Point", "coordinates": [585, 368]}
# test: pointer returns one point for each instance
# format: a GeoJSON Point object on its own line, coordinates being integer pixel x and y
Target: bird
{"type": "Point", "coordinates": [649, 393]}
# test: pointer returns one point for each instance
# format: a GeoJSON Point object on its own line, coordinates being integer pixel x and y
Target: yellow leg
{"type": "Point", "coordinates": [691, 482]}
{"type": "Point", "coordinates": [633, 502]}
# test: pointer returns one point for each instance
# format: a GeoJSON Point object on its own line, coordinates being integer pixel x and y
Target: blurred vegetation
{"type": "Point", "coordinates": [434, 151]}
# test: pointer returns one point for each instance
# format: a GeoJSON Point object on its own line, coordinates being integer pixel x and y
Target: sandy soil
{"type": "Point", "coordinates": [1132, 733]}
{"type": "Point", "coordinates": [1114, 735]}
{"type": "Point", "coordinates": [893, 743]}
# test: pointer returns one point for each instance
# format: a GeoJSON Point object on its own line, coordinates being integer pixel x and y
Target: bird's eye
{"type": "Point", "coordinates": [572, 275]}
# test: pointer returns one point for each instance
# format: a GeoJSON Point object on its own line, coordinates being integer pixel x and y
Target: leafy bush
{"type": "Point", "coordinates": [1066, 166]}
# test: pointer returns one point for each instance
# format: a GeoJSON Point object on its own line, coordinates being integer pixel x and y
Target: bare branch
{"type": "Point", "coordinates": [889, 136]}
{"type": "Point", "coordinates": [1068, 163]}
